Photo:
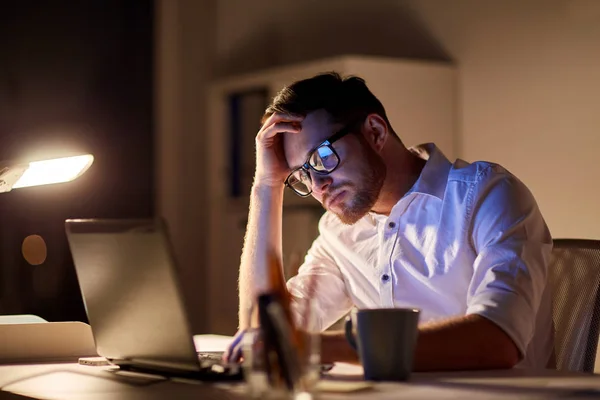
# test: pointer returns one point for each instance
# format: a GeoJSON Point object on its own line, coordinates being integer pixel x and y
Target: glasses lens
{"type": "Point", "coordinates": [324, 159]}
{"type": "Point", "coordinates": [300, 182]}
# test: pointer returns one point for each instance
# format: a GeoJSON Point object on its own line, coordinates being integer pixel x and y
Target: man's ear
{"type": "Point", "coordinates": [376, 131]}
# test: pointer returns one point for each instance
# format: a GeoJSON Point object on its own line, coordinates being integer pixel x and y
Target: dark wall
{"type": "Point", "coordinates": [75, 76]}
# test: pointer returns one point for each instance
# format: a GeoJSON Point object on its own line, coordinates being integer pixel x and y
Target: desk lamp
{"type": "Point", "coordinates": [27, 336]}
{"type": "Point", "coordinates": [45, 172]}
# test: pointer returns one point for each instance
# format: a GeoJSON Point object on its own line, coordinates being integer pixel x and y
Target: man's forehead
{"type": "Point", "coordinates": [316, 127]}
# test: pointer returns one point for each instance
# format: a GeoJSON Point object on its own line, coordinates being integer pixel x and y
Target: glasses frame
{"type": "Point", "coordinates": [306, 167]}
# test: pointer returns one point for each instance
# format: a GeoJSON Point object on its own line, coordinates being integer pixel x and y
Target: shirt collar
{"type": "Point", "coordinates": [434, 176]}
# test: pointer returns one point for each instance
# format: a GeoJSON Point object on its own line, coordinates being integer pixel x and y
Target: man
{"type": "Point", "coordinates": [465, 243]}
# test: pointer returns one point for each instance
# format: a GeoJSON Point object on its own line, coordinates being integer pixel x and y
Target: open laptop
{"type": "Point", "coordinates": [128, 279]}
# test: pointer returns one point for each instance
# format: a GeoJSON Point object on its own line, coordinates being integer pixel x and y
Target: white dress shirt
{"type": "Point", "coordinates": [468, 238]}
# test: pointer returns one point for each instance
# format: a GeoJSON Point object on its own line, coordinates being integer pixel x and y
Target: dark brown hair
{"type": "Point", "coordinates": [345, 99]}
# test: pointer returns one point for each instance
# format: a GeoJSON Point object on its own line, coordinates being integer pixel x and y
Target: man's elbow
{"type": "Point", "coordinates": [500, 350]}
{"type": "Point", "coordinates": [508, 357]}
{"type": "Point", "coordinates": [503, 355]}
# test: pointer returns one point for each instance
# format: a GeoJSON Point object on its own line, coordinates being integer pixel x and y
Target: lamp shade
{"type": "Point", "coordinates": [44, 172]}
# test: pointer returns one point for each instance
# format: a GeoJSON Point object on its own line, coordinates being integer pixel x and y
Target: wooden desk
{"type": "Point", "coordinates": [73, 381]}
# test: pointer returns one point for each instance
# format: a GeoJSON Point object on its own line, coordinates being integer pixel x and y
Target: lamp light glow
{"type": "Point", "coordinates": [45, 172]}
{"type": "Point", "coordinates": [54, 171]}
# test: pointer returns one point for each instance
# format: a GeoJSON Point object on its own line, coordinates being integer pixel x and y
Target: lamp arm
{"type": "Point", "coordinates": [10, 175]}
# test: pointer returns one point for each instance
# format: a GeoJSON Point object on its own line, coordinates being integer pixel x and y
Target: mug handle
{"type": "Point", "coordinates": [349, 334]}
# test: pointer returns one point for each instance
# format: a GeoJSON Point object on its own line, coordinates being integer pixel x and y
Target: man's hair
{"type": "Point", "coordinates": [345, 99]}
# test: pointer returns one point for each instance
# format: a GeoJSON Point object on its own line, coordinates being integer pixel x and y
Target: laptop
{"type": "Point", "coordinates": [129, 283]}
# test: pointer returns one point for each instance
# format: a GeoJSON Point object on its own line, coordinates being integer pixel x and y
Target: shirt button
{"type": "Point", "coordinates": [392, 225]}
{"type": "Point", "coordinates": [385, 277]}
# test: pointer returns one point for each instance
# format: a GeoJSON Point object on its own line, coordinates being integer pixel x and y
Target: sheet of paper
{"type": "Point", "coordinates": [342, 386]}
{"type": "Point", "coordinates": [346, 369]}
{"type": "Point", "coordinates": [212, 343]}
{"type": "Point", "coordinates": [21, 319]}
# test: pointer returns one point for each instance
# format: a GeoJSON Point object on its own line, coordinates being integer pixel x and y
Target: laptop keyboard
{"type": "Point", "coordinates": [210, 357]}
{"type": "Point", "coordinates": [213, 365]}
{"type": "Point", "coordinates": [213, 362]}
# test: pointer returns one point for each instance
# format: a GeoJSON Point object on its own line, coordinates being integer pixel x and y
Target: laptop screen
{"type": "Point", "coordinates": [128, 280]}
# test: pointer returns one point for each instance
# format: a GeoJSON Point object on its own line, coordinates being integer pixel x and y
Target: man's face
{"type": "Point", "coordinates": [351, 190]}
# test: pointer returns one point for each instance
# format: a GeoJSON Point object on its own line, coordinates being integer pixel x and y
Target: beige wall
{"type": "Point", "coordinates": [184, 65]}
{"type": "Point", "coordinates": [274, 32]}
{"type": "Point", "coordinates": [530, 96]}
{"type": "Point", "coordinates": [529, 76]}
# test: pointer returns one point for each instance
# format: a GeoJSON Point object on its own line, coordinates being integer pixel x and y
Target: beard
{"type": "Point", "coordinates": [365, 189]}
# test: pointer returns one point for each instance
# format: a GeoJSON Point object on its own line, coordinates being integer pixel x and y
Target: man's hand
{"type": "Point", "coordinates": [271, 165]}
{"type": "Point", "coordinates": [233, 353]}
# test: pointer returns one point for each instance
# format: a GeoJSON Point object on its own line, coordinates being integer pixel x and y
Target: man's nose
{"type": "Point", "coordinates": [319, 183]}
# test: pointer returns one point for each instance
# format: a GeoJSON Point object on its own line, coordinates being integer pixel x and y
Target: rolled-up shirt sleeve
{"type": "Point", "coordinates": [330, 299]}
{"type": "Point", "coordinates": [513, 246]}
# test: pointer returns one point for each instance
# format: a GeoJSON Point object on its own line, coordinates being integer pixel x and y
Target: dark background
{"type": "Point", "coordinates": [75, 76]}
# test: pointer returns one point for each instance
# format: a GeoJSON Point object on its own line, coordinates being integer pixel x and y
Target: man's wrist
{"type": "Point", "coordinates": [267, 184]}
{"type": "Point", "coordinates": [261, 187]}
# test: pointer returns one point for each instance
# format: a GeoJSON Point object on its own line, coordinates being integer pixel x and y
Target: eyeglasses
{"type": "Point", "coordinates": [323, 160]}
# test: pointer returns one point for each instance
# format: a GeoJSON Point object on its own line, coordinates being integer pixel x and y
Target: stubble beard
{"type": "Point", "coordinates": [364, 196]}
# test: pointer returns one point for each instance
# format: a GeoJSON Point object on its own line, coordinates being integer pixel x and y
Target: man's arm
{"type": "Point", "coordinates": [460, 343]}
{"type": "Point", "coordinates": [329, 301]}
{"type": "Point", "coordinates": [263, 233]}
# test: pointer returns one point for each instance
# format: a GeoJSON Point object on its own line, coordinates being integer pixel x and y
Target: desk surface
{"type": "Point", "coordinates": [73, 381]}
